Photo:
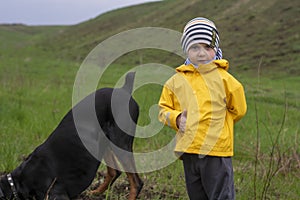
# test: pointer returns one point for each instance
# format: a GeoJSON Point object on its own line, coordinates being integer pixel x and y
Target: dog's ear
{"type": "Point", "coordinates": [129, 82]}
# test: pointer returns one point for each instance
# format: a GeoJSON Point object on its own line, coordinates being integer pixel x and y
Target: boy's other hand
{"type": "Point", "coordinates": [181, 121]}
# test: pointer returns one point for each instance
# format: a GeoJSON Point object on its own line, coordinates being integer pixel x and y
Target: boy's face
{"type": "Point", "coordinates": [201, 54]}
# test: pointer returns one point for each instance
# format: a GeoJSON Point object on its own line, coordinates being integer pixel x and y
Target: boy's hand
{"type": "Point", "coordinates": [181, 121]}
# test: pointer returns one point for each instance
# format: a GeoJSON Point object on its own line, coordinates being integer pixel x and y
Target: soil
{"type": "Point", "coordinates": [120, 191]}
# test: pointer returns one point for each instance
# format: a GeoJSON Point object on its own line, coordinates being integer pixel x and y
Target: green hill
{"type": "Point", "coordinates": [250, 30]}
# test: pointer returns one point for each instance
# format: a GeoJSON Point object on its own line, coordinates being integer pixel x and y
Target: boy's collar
{"type": "Point", "coordinates": [188, 62]}
{"type": "Point", "coordinates": [188, 66]}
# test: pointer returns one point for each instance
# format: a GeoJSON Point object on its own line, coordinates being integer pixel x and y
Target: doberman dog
{"type": "Point", "coordinates": [95, 129]}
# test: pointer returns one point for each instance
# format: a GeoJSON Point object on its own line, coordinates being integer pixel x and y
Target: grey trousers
{"type": "Point", "coordinates": [209, 177]}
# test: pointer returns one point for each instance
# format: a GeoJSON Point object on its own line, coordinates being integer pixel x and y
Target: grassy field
{"type": "Point", "coordinates": [34, 100]}
{"type": "Point", "coordinates": [38, 66]}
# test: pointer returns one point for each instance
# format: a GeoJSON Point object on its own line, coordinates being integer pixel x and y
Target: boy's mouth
{"type": "Point", "coordinates": [204, 61]}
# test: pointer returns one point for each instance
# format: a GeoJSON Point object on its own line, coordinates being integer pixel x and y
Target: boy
{"type": "Point", "coordinates": [202, 101]}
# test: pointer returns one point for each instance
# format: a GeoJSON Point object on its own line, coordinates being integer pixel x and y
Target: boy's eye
{"type": "Point", "coordinates": [207, 47]}
{"type": "Point", "coordinates": [197, 47]}
{"type": "Point", "coordinates": [194, 47]}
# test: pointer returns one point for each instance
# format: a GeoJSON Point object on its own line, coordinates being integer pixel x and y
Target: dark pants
{"type": "Point", "coordinates": [208, 177]}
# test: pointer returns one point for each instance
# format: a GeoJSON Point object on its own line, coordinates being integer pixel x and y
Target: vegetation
{"type": "Point", "coordinates": [38, 66]}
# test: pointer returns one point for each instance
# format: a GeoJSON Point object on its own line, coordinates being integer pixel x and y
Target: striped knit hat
{"type": "Point", "coordinates": [201, 30]}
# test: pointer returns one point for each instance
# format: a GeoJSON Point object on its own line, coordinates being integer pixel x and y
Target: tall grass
{"type": "Point", "coordinates": [267, 153]}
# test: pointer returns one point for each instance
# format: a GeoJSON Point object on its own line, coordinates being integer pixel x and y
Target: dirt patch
{"type": "Point", "coordinates": [120, 190]}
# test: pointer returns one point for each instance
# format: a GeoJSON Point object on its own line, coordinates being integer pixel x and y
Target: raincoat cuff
{"type": "Point", "coordinates": [173, 118]}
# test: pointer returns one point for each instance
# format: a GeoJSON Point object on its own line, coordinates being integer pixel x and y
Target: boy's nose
{"type": "Point", "coordinates": [202, 52]}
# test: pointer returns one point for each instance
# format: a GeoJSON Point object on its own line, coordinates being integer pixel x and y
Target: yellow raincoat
{"type": "Point", "coordinates": [214, 101]}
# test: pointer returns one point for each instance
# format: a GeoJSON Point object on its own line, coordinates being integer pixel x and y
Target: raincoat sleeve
{"type": "Point", "coordinates": [236, 104]}
{"type": "Point", "coordinates": [167, 108]}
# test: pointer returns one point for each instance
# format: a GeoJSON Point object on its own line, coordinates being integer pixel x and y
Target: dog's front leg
{"type": "Point", "coordinates": [113, 172]}
{"type": "Point", "coordinates": [110, 178]}
{"type": "Point", "coordinates": [136, 185]}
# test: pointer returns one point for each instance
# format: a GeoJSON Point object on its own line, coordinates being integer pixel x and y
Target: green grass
{"type": "Point", "coordinates": [277, 117]}
{"type": "Point", "coordinates": [32, 105]}
{"type": "Point", "coordinates": [38, 66]}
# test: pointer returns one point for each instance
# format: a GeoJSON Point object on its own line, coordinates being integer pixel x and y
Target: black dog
{"type": "Point", "coordinates": [66, 163]}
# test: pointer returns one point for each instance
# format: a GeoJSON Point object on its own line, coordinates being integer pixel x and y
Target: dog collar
{"type": "Point", "coordinates": [12, 186]}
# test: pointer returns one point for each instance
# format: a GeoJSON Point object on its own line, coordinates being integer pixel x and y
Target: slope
{"type": "Point", "coordinates": [250, 30]}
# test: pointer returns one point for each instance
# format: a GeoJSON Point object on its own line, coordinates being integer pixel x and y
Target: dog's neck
{"type": "Point", "coordinates": [1, 194]}
{"type": "Point", "coordinates": [8, 188]}
{"type": "Point", "coordinates": [5, 191]}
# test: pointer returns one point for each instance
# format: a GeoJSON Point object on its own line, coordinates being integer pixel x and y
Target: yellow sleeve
{"type": "Point", "coordinates": [167, 109]}
{"type": "Point", "coordinates": [237, 105]}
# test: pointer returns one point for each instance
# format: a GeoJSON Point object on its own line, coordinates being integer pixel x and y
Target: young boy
{"type": "Point", "coordinates": [202, 101]}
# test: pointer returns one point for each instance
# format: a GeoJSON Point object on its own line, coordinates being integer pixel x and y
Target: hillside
{"type": "Point", "coordinates": [250, 30]}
